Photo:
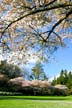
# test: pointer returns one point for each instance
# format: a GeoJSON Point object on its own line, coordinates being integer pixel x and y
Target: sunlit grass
{"type": "Point", "coordinates": [30, 102]}
{"type": "Point", "coordinates": [33, 104]}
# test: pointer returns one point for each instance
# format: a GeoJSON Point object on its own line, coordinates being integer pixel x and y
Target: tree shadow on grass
{"type": "Point", "coordinates": [31, 98]}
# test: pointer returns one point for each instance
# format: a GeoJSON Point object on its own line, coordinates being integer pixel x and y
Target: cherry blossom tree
{"type": "Point", "coordinates": [39, 26]}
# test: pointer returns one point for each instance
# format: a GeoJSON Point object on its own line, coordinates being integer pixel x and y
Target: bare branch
{"type": "Point", "coordinates": [37, 33]}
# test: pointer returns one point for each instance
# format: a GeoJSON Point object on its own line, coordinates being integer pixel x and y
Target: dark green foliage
{"type": "Point", "coordinates": [65, 78]}
{"type": "Point", "coordinates": [10, 70]}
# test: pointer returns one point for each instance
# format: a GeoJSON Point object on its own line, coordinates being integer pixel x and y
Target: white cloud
{"type": "Point", "coordinates": [33, 59]}
{"type": "Point", "coordinates": [1, 57]}
{"type": "Point", "coordinates": [19, 57]}
{"type": "Point", "coordinates": [56, 76]}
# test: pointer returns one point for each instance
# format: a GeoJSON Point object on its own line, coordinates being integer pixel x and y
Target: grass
{"type": "Point", "coordinates": [35, 102]}
{"type": "Point", "coordinates": [68, 98]}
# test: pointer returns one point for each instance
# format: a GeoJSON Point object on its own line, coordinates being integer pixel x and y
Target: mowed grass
{"type": "Point", "coordinates": [65, 98]}
{"type": "Point", "coordinates": [35, 102]}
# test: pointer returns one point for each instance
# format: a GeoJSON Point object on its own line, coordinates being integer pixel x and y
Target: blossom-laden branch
{"type": "Point", "coordinates": [34, 24]}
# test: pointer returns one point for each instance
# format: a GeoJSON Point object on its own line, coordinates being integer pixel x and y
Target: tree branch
{"type": "Point", "coordinates": [37, 32]}
{"type": "Point", "coordinates": [59, 22]}
{"type": "Point", "coordinates": [41, 9]}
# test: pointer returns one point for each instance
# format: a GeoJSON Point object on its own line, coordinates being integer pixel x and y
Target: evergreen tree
{"type": "Point", "coordinates": [65, 78]}
{"type": "Point", "coordinates": [38, 72]}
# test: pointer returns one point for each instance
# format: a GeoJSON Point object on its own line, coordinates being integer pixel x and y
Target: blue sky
{"type": "Point", "coordinates": [63, 60]}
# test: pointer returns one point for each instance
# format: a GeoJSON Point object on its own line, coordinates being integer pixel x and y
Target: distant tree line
{"type": "Point", "coordinates": [12, 79]}
{"type": "Point", "coordinates": [65, 78]}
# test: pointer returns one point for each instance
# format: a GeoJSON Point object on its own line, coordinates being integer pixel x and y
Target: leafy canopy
{"type": "Point", "coordinates": [39, 26]}
{"type": "Point", "coordinates": [9, 70]}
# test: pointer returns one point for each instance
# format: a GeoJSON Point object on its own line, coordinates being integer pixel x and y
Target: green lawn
{"type": "Point", "coordinates": [65, 98]}
{"type": "Point", "coordinates": [35, 102]}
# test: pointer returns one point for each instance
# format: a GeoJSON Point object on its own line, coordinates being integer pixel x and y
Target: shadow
{"type": "Point", "coordinates": [31, 98]}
